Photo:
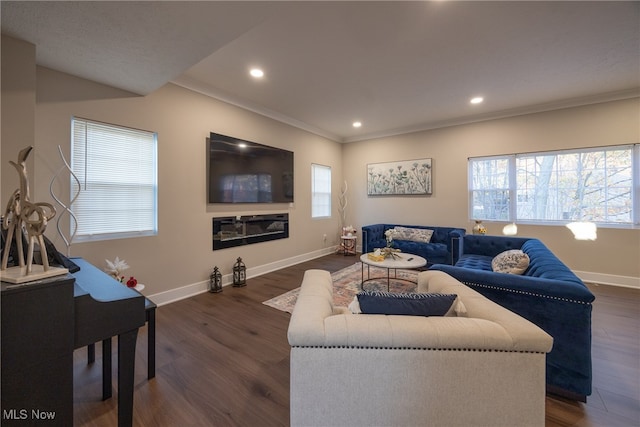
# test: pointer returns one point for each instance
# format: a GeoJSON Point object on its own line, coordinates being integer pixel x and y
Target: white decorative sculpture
{"type": "Point", "coordinates": [66, 209]}
{"type": "Point", "coordinates": [21, 215]}
{"type": "Point", "coordinates": [342, 204]}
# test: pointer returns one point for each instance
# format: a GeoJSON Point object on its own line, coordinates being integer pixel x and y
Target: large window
{"type": "Point", "coordinates": [320, 191]}
{"type": "Point", "coordinates": [116, 167]}
{"type": "Point", "coordinates": [595, 184]}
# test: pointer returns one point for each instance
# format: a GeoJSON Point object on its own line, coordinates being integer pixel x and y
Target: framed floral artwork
{"type": "Point", "coordinates": [408, 177]}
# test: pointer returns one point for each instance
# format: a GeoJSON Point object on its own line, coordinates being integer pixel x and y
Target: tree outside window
{"type": "Point", "coordinates": [594, 184]}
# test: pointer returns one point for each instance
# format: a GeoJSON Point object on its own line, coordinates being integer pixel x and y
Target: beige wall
{"type": "Point", "coordinates": [181, 254]}
{"type": "Point", "coordinates": [616, 251]}
{"type": "Point", "coordinates": [37, 109]}
{"type": "Point", "coordinates": [18, 110]}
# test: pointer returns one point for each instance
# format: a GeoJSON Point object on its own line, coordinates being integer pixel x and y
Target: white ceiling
{"type": "Point", "coordinates": [395, 66]}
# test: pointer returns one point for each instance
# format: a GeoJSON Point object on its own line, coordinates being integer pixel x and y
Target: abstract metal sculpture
{"type": "Point", "coordinates": [66, 209]}
{"type": "Point", "coordinates": [22, 215]}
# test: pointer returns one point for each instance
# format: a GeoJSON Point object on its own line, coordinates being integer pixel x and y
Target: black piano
{"type": "Point", "coordinates": [105, 308]}
{"type": "Point", "coordinates": [43, 322]}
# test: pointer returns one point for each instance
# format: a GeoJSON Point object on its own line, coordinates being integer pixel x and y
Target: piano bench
{"type": "Point", "coordinates": [150, 313]}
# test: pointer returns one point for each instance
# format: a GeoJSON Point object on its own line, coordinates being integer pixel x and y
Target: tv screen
{"type": "Point", "coordinates": [240, 171]}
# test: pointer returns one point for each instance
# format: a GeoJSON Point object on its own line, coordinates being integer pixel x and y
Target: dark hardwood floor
{"type": "Point", "coordinates": [223, 360]}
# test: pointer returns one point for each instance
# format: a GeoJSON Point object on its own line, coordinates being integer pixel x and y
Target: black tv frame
{"type": "Point", "coordinates": [262, 162]}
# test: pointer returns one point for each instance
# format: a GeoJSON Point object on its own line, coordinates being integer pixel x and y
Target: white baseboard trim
{"type": "Point", "coordinates": [609, 279]}
{"type": "Point", "coordinates": [187, 291]}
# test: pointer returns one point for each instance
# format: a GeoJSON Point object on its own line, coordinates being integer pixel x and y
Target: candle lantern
{"type": "Point", "coordinates": [239, 273]}
{"type": "Point", "coordinates": [215, 280]}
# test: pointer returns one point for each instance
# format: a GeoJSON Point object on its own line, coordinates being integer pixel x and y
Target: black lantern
{"type": "Point", "coordinates": [239, 273]}
{"type": "Point", "coordinates": [215, 280]}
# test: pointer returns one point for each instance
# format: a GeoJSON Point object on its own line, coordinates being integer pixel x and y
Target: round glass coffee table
{"type": "Point", "coordinates": [402, 260]}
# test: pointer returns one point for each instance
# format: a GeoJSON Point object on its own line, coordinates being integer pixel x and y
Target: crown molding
{"type": "Point", "coordinates": [203, 89]}
{"type": "Point", "coordinates": [206, 90]}
{"type": "Point", "coordinates": [531, 109]}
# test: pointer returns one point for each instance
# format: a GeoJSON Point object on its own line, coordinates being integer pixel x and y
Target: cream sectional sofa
{"type": "Point", "coordinates": [486, 368]}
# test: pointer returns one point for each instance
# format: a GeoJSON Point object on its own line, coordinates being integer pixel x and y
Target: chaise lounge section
{"type": "Point", "coordinates": [548, 294]}
{"type": "Point", "coordinates": [483, 369]}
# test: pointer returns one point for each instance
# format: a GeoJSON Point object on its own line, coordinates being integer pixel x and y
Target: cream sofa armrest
{"type": "Point", "coordinates": [523, 333]}
{"type": "Point", "coordinates": [341, 310]}
{"type": "Point", "coordinates": [314, 304]}
{"type": "Point", "coordinates": [423, 282]}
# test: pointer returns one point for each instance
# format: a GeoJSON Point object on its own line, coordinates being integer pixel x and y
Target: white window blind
{"type": "Point", "coordinates": [320, 191]}
{"type": "Point", "coordinates": [116, 167]}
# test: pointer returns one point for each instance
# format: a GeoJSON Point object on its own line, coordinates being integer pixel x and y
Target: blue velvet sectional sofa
{"type": "Point", "coordinates": [548, 294]}
{"type": "Point", "coordinates": [439, 250]}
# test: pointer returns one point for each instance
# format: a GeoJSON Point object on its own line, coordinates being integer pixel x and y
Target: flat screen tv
{"type": "Point", "coordinates": [240, 171]}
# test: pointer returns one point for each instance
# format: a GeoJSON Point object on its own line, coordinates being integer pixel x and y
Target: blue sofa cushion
{"type": "Point", "coordinates": [405, 304]}
{"type": "Point", "coordinates": [475, 262]}
{"type": "Point", "coordinates": [433, 250]}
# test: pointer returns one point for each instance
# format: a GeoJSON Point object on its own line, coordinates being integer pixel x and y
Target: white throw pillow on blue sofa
{"type": "Point", "coordinates": [422, 235]}
{"type": "Point", "coordinates": [513, 261]}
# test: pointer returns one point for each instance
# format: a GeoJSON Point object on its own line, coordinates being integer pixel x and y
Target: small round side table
{"type": "Point", "coordinates": [348, 245]}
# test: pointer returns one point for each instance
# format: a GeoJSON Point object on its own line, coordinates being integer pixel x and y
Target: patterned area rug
{"type": "Point", "coordinates": [346, 284]}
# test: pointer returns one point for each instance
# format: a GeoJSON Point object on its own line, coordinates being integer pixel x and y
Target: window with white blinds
{"type": "Point", "coordinates": [117, 170]}
{"type": "Point", "coordinates": [320, 191]}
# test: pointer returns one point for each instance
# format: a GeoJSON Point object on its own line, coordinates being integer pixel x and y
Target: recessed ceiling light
{"type": "Point", "coordinates": [256, 72]}
{"type": "Point", "coordinates": [242, 145]}
{"type": "Point", "coordinates": [477, 100]}
{"type": "Point", "coordinates": [357, 124]}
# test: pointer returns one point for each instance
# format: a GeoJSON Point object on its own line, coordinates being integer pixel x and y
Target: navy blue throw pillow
{"type": "Point", "coordinates": [405, 304]}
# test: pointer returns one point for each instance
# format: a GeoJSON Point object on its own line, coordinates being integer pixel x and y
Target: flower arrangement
{"type": "Point", "coordinates": [389, 236]}
{"type": "Point", "coordinates": [349, 230]}
{"type": "Point", "coordinates": [389, 250]}
{"type": "Point", "coordinates": [116, 268]}
{"type": "Point", "coordinates": [386, 253]}
{"type": "Point", "coordinates": [479, 228]}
